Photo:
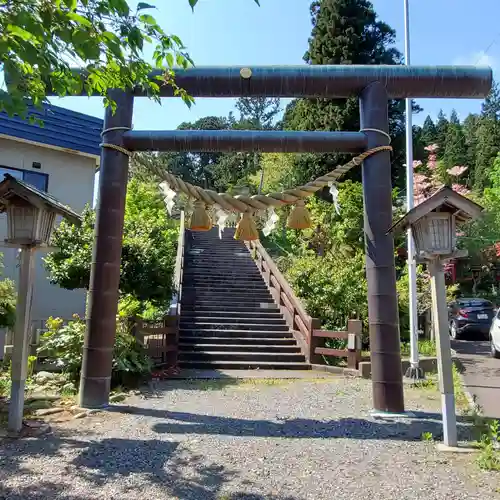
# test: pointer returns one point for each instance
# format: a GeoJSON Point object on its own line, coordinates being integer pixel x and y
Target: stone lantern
{"type": "Point", "coordinates": [31, 213]}
{"type": "Point", "coordinates": [433, 226]}
{"type": "Point", "coordinates": [31, 216]}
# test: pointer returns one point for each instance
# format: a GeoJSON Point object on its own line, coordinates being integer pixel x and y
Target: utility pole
{"type": "Point", "coordinates": [414, 371]}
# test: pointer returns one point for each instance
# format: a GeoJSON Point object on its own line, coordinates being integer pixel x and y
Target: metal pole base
{"type": "Point", "coordinates": [415, 373]}
{"type": "Point", "coordinates": [16, 406]}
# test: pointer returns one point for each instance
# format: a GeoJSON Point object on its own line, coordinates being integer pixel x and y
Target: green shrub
{"type": "Point", "coordinates": [425, 348]}
{"type": "Point", "coordinates": [332, 288]}
{"type": "Point", "coordinates": [489, 456]}
{"type": "Point", "coordinates": [63, 345]}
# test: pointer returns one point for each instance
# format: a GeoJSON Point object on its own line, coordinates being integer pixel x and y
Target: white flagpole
{"type": "Point", "coordinates": [413, 371]}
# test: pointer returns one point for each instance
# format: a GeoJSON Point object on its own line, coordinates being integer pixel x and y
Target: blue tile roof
{"type": "Point", "coordinates": [61, 127]}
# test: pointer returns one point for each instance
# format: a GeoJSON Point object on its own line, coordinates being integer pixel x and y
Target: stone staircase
{"type": "Point", "coordinates": [228, 317]}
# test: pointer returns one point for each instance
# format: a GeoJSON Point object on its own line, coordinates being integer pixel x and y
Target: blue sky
{"type": "Point", "coordinates": [237, 32]}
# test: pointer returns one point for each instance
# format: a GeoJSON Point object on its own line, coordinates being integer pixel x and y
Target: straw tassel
{"type": "Point", "coordinates": [200, 220]}
{"type": "Point", "coordinates": [299, 217]}
{"type": "Point", "coordinates": [246, 230]}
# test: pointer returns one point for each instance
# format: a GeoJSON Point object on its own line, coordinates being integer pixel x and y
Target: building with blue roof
{"type": "Point", "coordinates": [60, 157]}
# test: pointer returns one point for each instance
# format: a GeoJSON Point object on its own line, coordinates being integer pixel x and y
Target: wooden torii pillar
{"type": "Point", "coordinates": [374, 85]}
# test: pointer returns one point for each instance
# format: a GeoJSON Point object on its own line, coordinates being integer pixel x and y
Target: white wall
{"type": "Point", "coordinates": [71, 181]}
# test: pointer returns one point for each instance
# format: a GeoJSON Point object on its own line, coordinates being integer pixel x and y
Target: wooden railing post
{"type": "Point", "coordinates": [314, 342]}
{"type": "Point", "coordinates": [354, 329]}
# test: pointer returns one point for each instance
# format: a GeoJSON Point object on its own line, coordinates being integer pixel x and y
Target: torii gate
{"type": "Point", "coordinates": [374, 85]}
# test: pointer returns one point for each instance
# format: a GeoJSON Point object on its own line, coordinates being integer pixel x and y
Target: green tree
{"type": "Point", "coordinates": [455, 151]}
{"type": "Point", "coordinates": [7, 300]}
{"type": "Point", "coordinates": [278, 172]}
{"type": "Point", "coordinates": [40, 41]}
{"type": "Point", "coordinates": [200, 165]}
{"type": "Point", "coordinates": [469, 128]}
{"type": "Point", "coordinates": [491, 106]}
{"type": "Point", "coordinates": [429, 132]}
{"type": "Point", "coordinates": [345, 32]}
{"type": "Point", "coordinates": [256, 113]}
{"type": "Point", "coordinates": [148, 255]}
{"type": "Point", "coordinates": [260, 111]}
{"type": "Point", "coordinates": [487, 138]}
{"type": "Point", "coordinates": [333, 288]}
{"type": "Point", "coordinates": [441, 129]}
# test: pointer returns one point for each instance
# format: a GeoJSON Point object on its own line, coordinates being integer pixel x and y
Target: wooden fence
{"type": "Point", "coordinates": [161, 338]}
{"type": "Point", "coordinates": [307, 330]}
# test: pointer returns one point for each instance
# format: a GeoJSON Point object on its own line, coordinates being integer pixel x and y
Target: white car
{"type": "Point", "coordinates": [495, 335]}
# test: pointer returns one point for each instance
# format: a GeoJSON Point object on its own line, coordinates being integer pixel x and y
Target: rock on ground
{"type": "Point", "coordinates": [257, 440]}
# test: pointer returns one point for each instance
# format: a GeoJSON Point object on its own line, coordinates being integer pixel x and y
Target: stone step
{"type": "Point", "coordinates": [193, 302]}
{"type": "Point", "coordinates": [226, 255]}
{"type": "Point", "coordinates": [218, 308]}
{"type": "Point", "coordinates": [238, 283]}
{"type": "Point", "coordinates": [228, 261]}
{"type": "Point", "coordinates": [231, 314]}
{"type": "Point", "coordinates": [243, 365]}
{"type": "Point", "coordinates": [221, 267]}
{"type": "Point", "coordinates": [204, 323]}
{"type": "Point", "coordinates": [222, 277]}
{"type": "Point", "coordinates": [237, 288]}
{"type": "Point", "coordinates": [214, 324]}
{"type": "Point", "coordinates": [217, 347]}
{"type": "Point", "coordinates": [218, 245]}
{"type": "Point", "coordinates": [235, 320]}
{"type": "Point", "coordinates": [247, 341]}
{"type": "Point", "coordinates": [248, 296]}
{"type": "Point", "coordinates": [228, 288]}
{"type": "Point", "coordinates": [241, 356]}
{"type": "Point", "coordinates": [223, 333]}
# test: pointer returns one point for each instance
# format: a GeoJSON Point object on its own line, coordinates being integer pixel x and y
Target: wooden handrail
{"type": "Point", "coordinates": [296, 316]}
{"type": "Point", "coordinates": [307, 330]}
{"type": "Point", "coordinates": [257, 245]}
{"type": "Point", "coordinates": [178, 270]}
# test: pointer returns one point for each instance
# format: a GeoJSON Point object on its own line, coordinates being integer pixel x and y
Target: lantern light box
{"type": "Point", "coordinates": [433, 223]}
{"type": "Point", "coordinates": [31, 213]}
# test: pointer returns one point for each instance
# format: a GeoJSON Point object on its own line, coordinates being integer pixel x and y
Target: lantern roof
{"type": "Point", "coordinates": [12, 189]}
{"type": "Point", "coordinates": [443, 200]}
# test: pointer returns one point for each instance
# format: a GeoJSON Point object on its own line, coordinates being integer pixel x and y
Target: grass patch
{"type": "Point", "coordinates": [428, 437]}
{"type": "Point", "coordinates": [428, 383]}
{"type": "Point", "coordinates": [4, 386]}
{"type": "Point", "coordinates": [425, 348]}
{"type": "Point", "coordinates": [461, 400]}
{"type": "Point", "coordinates": [489, 446]}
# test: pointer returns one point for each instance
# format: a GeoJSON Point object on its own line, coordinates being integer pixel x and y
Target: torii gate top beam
{"type": "Point", "coordinates": [328, 81]}
{"type": "Point", "coordinates": [332, 81]}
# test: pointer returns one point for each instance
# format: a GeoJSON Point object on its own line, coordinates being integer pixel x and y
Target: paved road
{"type": "Point", "coordinates": [481, 375]}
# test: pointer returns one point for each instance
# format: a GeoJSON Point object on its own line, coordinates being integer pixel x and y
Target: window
{"type": "Point", "coordinates": [36, 179]}
{"type": "Point", "coordinates": [474, 303]}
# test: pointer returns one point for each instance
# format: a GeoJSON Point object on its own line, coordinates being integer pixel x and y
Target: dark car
{"type": "Point", "coordinates": [470, 316]}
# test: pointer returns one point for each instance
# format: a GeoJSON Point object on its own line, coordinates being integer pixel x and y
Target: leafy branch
{"type": "Point", "coordinates": [41, 41]}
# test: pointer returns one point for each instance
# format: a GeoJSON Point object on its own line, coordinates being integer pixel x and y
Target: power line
{"type": "Point", "coordinates": [485, 52]}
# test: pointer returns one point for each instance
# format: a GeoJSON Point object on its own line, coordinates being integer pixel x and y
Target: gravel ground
{"type": "Point", "coordinates": [258, 440]}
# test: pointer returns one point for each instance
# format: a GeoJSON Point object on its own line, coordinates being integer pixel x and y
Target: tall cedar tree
{"type": "Point", "coordinates": [469, 128]}
{"type": "Point", "coordinates": [345, 32]}
{"type": "Point", "coordinates": [441, 129]}
{"type": "Point", "coordinates": [487, 138]}
{"type": "Point", "coordinates": [429, 132]}
{"type": "Point", "coordinates": [455, 151]}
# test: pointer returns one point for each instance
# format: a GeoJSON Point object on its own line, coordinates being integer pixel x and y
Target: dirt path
{"type": "Point", "coordinates": [481, 375]}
